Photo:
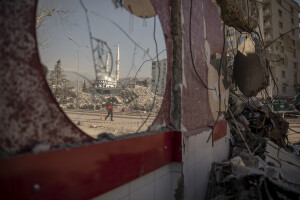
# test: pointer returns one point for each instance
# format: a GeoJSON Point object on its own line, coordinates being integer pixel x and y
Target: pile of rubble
{"type": "Point", "coordinates": [262, 164]}
{"type": "Point", "coordinates": [85, 101]}
{"type": "Point", "coordinates": [240, 14]}
{"type": "Point", "coordinates": [141, 98]}
{"type": "Point", "coordinates": [138, 98]}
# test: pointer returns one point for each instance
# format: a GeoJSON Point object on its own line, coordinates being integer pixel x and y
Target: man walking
{"type": "Point", "coordinates": [110, 112]}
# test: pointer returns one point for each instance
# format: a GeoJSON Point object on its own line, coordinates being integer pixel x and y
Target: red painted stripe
{"type": "Point", "coordinates": [220, 130]}
{"type": "Point", "coordinates": [87, 171]}
{"type": "Point", "coordinates": [293, 115]}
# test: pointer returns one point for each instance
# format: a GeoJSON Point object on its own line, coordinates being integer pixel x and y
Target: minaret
{"type": "Point", "coordinates": [118, 65]}
{"type": "Point", "coordinates": [107, 61]}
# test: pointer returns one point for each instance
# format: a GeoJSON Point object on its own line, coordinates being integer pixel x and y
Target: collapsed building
{"type": "Point", "coordinates": [195, 128]}
{"type": "Point", "coordinates": [262, 163]}
{"type": "Point", "coordinates": [128, 99]}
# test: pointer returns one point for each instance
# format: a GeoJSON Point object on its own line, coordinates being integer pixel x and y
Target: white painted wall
{"type": "Point", "coordinates": [157, 185]}
{"type": "Point", "coordinates": [198, 156]}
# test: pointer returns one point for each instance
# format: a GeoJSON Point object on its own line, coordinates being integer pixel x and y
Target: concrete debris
{"type": "Point", "coordinates": [296, 148]}
{"type": "Point", "coordinates": [240, 14]}
{"type": "Point", "coordinates": [104, 137]}
{"type": "Point", "coordinates": [141, 98]}
{"type": "Point", "coordinates": [249, 177]}
{"type": "Point", "coordinates": [262, 164]}
{"type": "Point", "coordinates": [282, 158]}
{"type": "Point", "coordinates": [138, 98]}
{"type": "Point", "coordinates": [80, 123]}
{"type": "Point", "coordinates": [258, 121]}
{"type": "Point", "coordinates": [239, 106]}
{"type": "Point", "coordinates": [250, 72]}
{"type": "Point", "coordinates": [42, 147]}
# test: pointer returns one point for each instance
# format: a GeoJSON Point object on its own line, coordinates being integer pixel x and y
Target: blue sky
{"type": "Point", "coordinates": [75, 27]}
{"type": "Point", "coordinates": [56, 32]}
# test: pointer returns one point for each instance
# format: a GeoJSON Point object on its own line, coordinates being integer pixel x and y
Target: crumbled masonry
{"type": "Point", "coordinates": [269, 169]}
{"type": "Point", "coordinates": [138, 98]}
{"type": "Point", "coordinates": [240, 14]}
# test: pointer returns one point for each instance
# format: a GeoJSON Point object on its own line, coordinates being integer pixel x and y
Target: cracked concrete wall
{"type": "Point", "coordinates": [176, 64]}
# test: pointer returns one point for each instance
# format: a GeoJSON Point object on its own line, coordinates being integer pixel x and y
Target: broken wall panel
{"type": "Point", "coordinates": [164, 14]}
{"type": "Point", "coordinates": [29, 113]}
{"type": "Point", "coordinates": [206, 40]}
{"type": "Point", "coordinates": [250, 71]}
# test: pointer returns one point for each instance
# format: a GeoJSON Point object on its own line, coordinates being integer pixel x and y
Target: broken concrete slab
{"type": "Point", "coordinates": [249, 177]}
{"type": "Point", "coordinates": [250, 71]}
{"type": "Point", "coordinates": [240, 14]}
{"type": "Point", "coordinates": [282, 158]}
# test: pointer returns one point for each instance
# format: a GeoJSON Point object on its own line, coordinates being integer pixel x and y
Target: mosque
{"type": "Point", "coordinates": [104, 78]}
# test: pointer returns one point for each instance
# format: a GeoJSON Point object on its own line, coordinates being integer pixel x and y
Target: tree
{"type": "Point", "coordinates": [59, 85]}
{"type": "Point", "coordinates": [47, 9]}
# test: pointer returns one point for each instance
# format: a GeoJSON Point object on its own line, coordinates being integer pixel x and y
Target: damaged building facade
{"type": "Point", "coordinates": [281, 17]}
{"type": "Point", "coordinates": [274, 18]}
{"type": "Point", "coordinates": [189, 144]}
{"type": "Point", "coordinates": [159, 71]}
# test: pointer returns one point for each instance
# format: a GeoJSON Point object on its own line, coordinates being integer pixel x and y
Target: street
{"type": "Point", "coordinates": [93, 122]}
{"type": "Point", "coordinates": [129, 122]}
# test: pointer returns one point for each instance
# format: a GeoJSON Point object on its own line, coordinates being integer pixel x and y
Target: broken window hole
{"type": "Point", "coordinates": [104, 68]}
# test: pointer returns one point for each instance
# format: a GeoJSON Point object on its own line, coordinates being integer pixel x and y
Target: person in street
{"type": "Point", "coordinates": [109, 112]}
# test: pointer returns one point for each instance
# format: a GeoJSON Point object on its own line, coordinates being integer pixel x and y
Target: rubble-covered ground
{"type": "Point", "coordinates": [93, 122]}
{"type": "Point", "coordinates": [130, 99]}
{"type": "Point", "coordinates": [263, 163]}
{"type": "Point", "coordinates": [130, 108]}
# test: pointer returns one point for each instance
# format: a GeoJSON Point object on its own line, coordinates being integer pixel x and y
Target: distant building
{"type": "Point", "coordinates": [275, 19]}
{"type": "Point", "coordinates": [159, 78]}
{"type": "Point", "coordinates": [280, 17]}
{"type": "Point", "coordinates": [132, 82]}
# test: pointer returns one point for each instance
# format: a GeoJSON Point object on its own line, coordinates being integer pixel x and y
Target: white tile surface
{"type": "Point", "coordinates": [115, 194]}
{"type": "Point", "coordinates": [190, 143]}
{"type": "Point", "coordinates": [190, 159]}
{"type": "Point", "coordinates": [162, 171]}
{"type": "Point", "coordinates": [141, 182]}
{"type": "Point", "coordinates": [175, 176]}
{"type": "Point", "coordinates": [190, 151]}
{"type": "Point", "coordinates": [175, 181]}
{"type": "Point", "coordinates": [197, 163]}
{"type": "Point", "coordinates": [176, 167]}
{"type": "Point", "coordinates": [144, 193]}
{"type": "Point", "coordinates": [190, 182]}
{"type": "Point", "coordinates": [125, 198]}
{"type": "Point", "coordinates": [202, 174]}
{"type": "Point", "coordinates": [163, 187]}
{"type": "Point", "coordinates": [221, 150]}
{"type": "Point", "coordinates": [204, 149]}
